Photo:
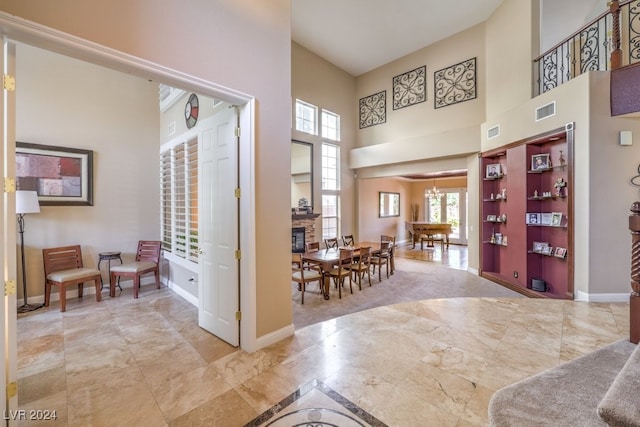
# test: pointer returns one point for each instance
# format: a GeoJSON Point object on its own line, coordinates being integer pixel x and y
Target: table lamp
{"type": "Point", "coordinates": [26, 202]}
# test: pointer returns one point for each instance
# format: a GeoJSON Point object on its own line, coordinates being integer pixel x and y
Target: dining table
{"type": "Point", "coordinates": [327, 258]}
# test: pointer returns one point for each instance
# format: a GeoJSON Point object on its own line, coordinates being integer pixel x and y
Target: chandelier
{"type": "Point", "coordinates": [434, 193]}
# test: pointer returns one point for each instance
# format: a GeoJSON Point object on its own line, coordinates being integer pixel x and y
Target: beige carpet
{"type": "Point", "coordinates": [413, 280]}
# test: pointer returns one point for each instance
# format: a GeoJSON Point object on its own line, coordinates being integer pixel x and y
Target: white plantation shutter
{"type": "Point", "coordinates": [179, 195]}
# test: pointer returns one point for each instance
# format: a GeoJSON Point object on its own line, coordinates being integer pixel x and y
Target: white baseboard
{"type": "Point", "coordinates": [184, 294]}
{"type": "Point", "coordinates": [473, 271]}
{"type": "Point", "coordinates": [275, 336]}
{"type": "Point", "coordinates": [583, 296]}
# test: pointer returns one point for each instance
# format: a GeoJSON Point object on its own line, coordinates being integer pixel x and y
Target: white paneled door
{"type": "Point", "coordinates": [218, 284]}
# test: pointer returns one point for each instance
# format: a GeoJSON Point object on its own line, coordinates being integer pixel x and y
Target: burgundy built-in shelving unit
{"type": "Point", "coordinates": [510, 251]}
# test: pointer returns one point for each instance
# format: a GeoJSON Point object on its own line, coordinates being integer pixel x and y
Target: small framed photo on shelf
{"type": "Point", "coordinates": [545, 218]}
{"type": "Point", "coordinates": [547, 250]}
{"type": "Point", "coordinates": [539, 247]}
{"type": "Point", "coordinates": [491, 218]}
{"type": "Point", "coordinates": [560, 252]}
{"type": "Point", "coordinates": [493, 171]}
{"type": "Point", "coordinates": [532, 218]}
{"type": "Point", "coordinates": [556, 219]}
{"type": "Point", "coordinates": [504, 240]}
{"type": "Point", "coordinates": [540, 162]}
{"type": "Point", "coordinates": [498, 238]}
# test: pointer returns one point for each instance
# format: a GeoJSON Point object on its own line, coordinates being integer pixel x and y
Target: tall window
{"type": "Point", "coordinates": [330, 190]}
{"type": "Point", "coordinates": [330, 125]}
{"type": "Point", "coordinates": [306, 117]}
{"type": "Point", "coordinates": [179, 198]}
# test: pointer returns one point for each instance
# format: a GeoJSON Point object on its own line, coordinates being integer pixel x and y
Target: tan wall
{"type": "Point", "coordinates": [420, 131]}
{"type": "Point", "coordinates": [511, 44]}
{"type": "Point", "coordinates": [318, 82]}
{"type": "Point", "coordinates": [69, 103]}
{"type": "Point", "coordinates": [244, 45]}
{"type": "Point", "coordinates": [371, 227]}
{"type": "Point", "coordinates": [602, 195]}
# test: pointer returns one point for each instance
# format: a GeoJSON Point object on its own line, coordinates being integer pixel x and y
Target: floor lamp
{"type": "Point", "coordinates": [26, 202]}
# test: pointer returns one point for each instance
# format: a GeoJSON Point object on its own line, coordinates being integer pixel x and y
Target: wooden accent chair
{"type": "Point", "coordinates": [63, 267]}
{"type": "Point", "coordinates": [147, 261]}
{"type": "Point", "coordinates": [362, 265]}
{"type": "Point", "coordinates": [302, 273]}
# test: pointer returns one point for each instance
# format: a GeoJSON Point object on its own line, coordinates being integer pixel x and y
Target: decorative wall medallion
{"type": "Point", "coordinates": [373, 109]}
{"type": "Point", "coordinates": [455, 84]}
{"type": "Point", "coordinates": [410, 88]}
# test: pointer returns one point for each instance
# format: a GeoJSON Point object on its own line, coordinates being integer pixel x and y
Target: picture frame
{"type": "Point", "coordinates": [493, 171]}
{"type": "Point", "coordinates": [545, 218]}
{"type": "Point", "coordinates": [560, 252]}
{"type": "Point", "coordinates": [533, 218]}
{"type": "Point", "coordinates": [539, 247]}
{"type": "Point", "coordinates": [540, 162]}
{"type": "Point", "coordinates": [388, 204]}
{"type": "Point", "coordinates": [498, 238]}
{"type": "Point", "coordinates": [556, 219]}
{"type": "Point", "coordinates": [61, 176]}
{"type": "Point", "coordinates": [547, 250]}
{"type": "Point", "coordinates": [491, 218]}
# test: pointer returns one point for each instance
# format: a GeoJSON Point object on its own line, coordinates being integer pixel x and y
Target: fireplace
{"type": "Point", "coordinates": [297, 239]}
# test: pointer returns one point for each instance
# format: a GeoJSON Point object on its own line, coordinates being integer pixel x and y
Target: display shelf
{"type": "Point", "coordinates": [536, 194]}
{"type": "Point", "coordinates": [542, 198]}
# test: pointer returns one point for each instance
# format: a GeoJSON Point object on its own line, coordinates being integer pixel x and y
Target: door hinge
{"type": "Point", "coordinates": [9, 185]}
{"type": "Point", "coordinates": [8, 82]}
{"type": "Point", "coordinates": [236, 192]}
{"type": "Point", "coordinates": [9, 287]}
{"type": "Point", "coordinates": [237, 132]}
{"type": "Point", "coordinates": [12, 390]}
{"type": "Point", "coordinates": [237, 254]}
{"type": "Point", "coordinates": [238, 315]}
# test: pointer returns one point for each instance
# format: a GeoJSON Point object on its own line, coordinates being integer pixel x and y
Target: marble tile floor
{"type": "Point", "coordinates": [125, 362]}
{"type": "Point", "coordinates": [453, 257]}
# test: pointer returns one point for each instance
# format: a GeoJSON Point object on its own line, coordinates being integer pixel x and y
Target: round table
{"type": "Point", "coordinates": [108, 256]}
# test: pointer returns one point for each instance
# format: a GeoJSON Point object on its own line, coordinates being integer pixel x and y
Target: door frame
{"type": "Point", "coordinates": [59, 42]}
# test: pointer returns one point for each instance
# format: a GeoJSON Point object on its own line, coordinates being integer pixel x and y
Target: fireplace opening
{"type": "Point", "coordinates": [297, 240]}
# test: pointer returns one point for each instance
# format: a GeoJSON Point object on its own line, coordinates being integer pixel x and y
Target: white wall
{"type": "Point", "coordinates": [69, 103]}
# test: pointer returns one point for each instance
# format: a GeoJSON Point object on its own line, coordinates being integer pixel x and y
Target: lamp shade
{"type": "Point", "coordinates": [27, 202]}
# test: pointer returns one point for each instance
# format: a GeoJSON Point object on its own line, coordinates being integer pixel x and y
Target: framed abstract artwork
{"type": "Point", "coordinates": [61, 176]}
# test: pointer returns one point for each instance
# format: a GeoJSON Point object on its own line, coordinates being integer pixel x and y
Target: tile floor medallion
{"type": "Point", "coordinates": [318, 405]}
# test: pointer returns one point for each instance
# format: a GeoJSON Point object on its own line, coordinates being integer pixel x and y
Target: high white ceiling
{"type": "Point", "coordinates": [360, 35]}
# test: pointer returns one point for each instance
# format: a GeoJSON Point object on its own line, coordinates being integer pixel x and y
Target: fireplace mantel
{"type": "Point", "coordinates": [304, 216]}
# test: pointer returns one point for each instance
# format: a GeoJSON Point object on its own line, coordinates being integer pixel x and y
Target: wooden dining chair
{"type": "Point", "coordinates": [147, 261]}
{"type": "Point", "coordinates": [381, 257]}
{"type": "Point", "coordinates": [348, 240]}
{"type": "Point", "coordinates": [302, 274]}
{"type": "Point", "coordinates": [341, 270]}
{"type": "Point", "coordinates": [392, 249]}
{"type": "Point", "coordinates": [331, 243]}
{"type": "Point", "coordinates": [362, 265]}
{"type": "Point", "coordinates": [312, 246]}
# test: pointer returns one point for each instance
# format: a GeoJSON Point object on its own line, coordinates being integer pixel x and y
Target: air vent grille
{"type": "Point", "coordinates": [493, 132]}
{"type": "Point", "coordinates": [545, 111]}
